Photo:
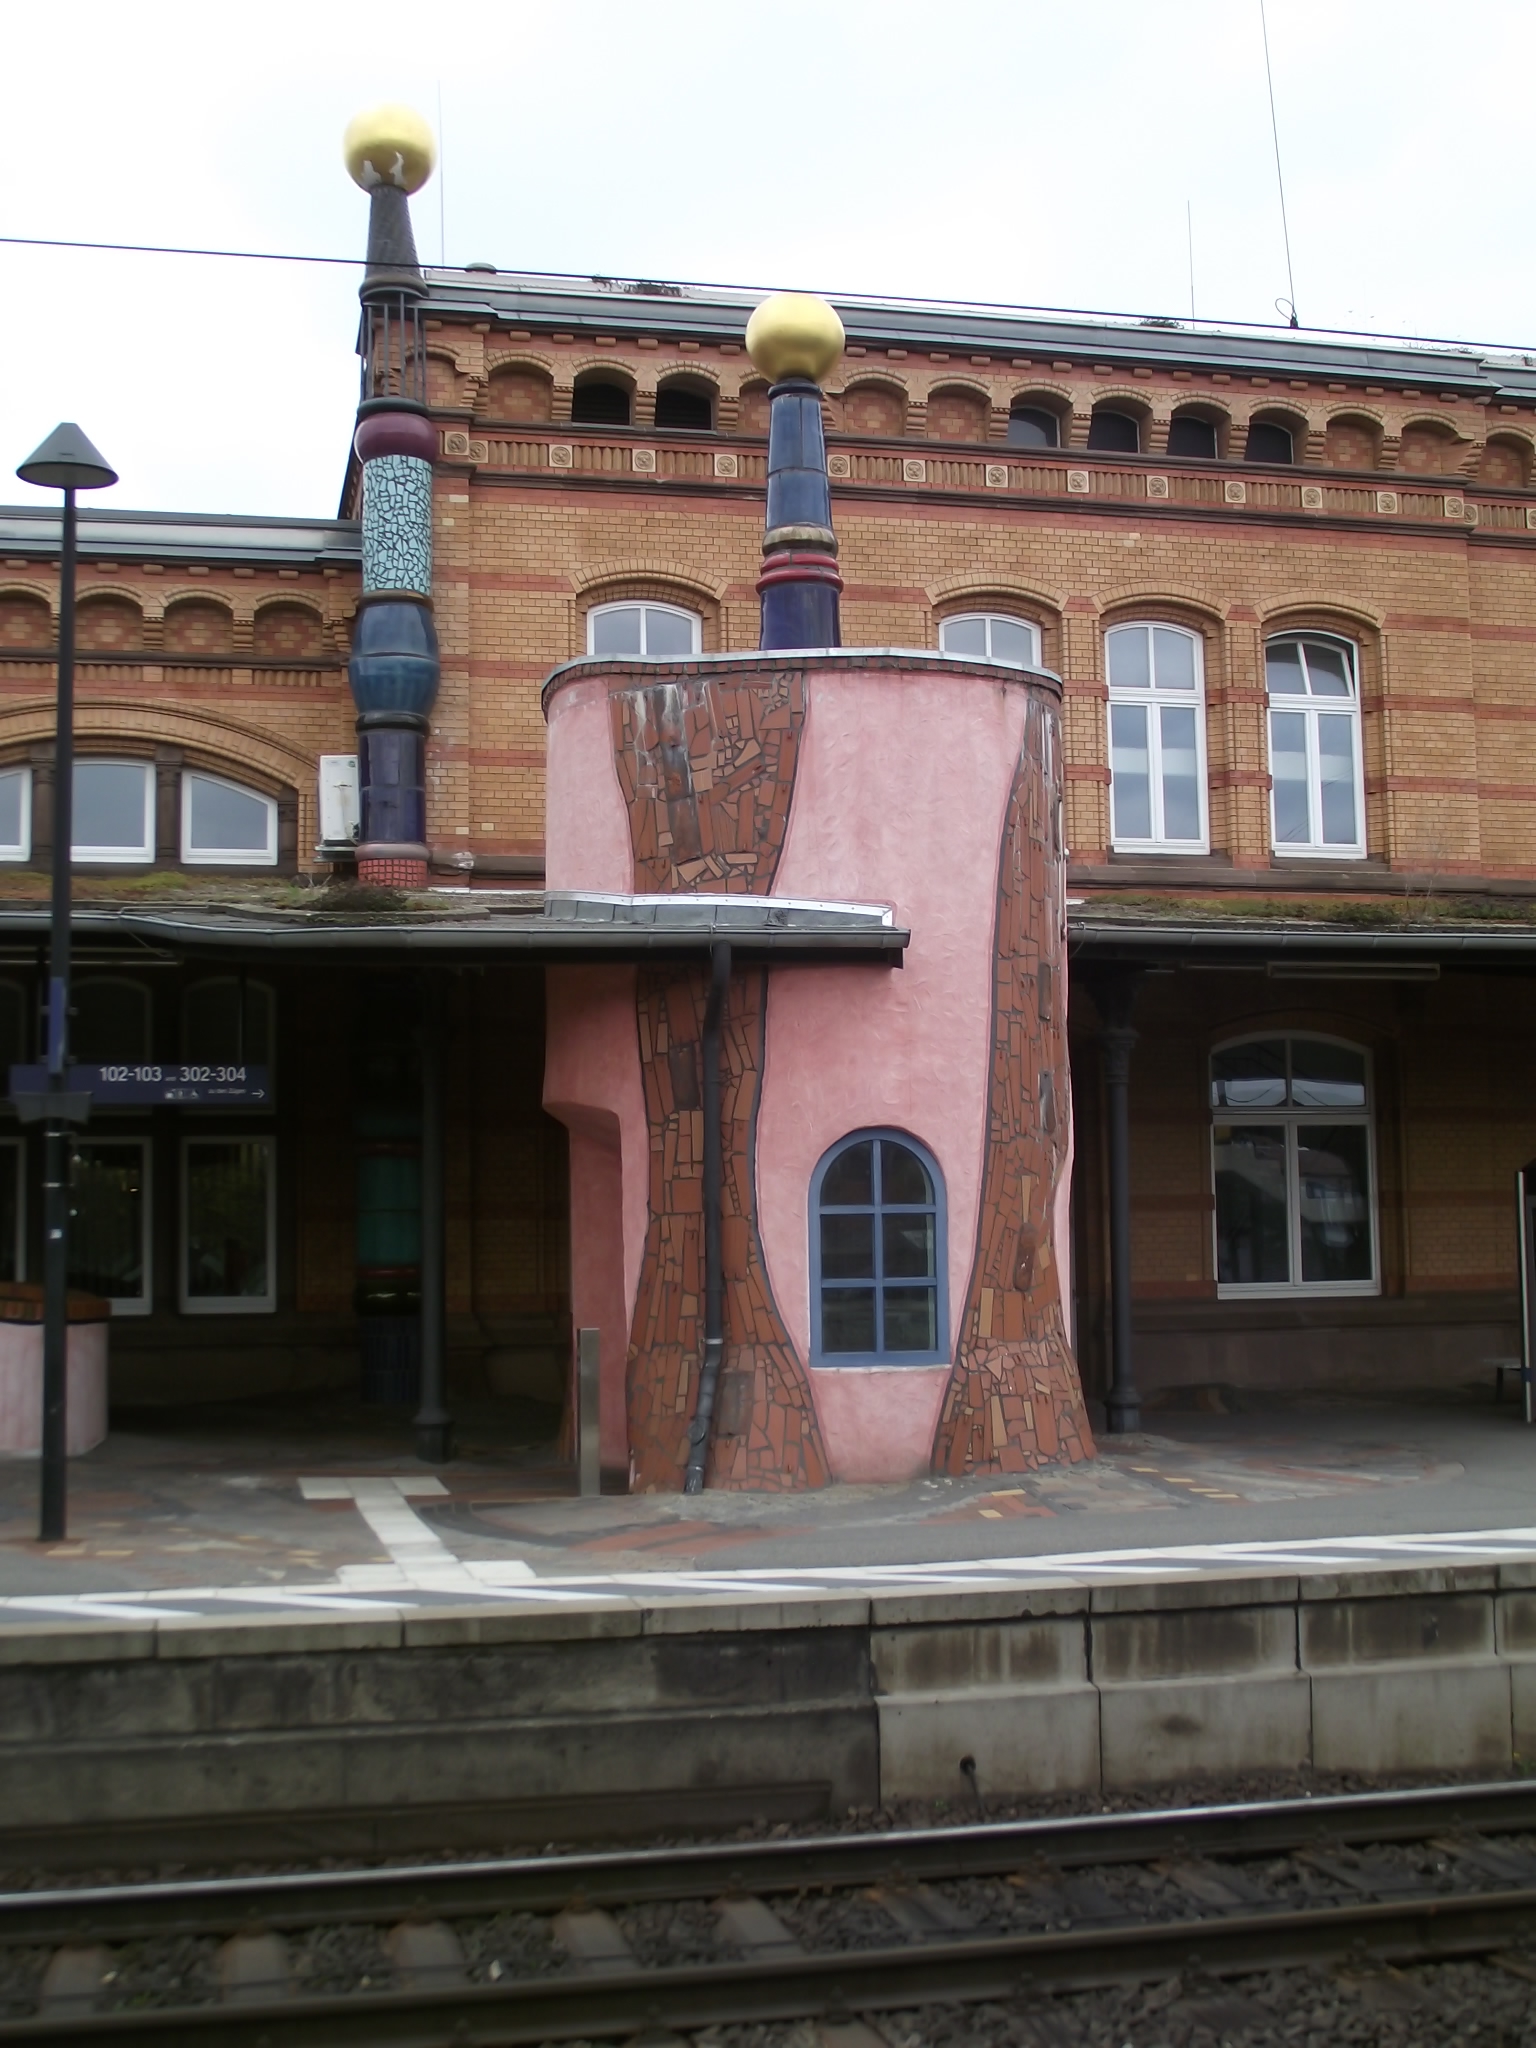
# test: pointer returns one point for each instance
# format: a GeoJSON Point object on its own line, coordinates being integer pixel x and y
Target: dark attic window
{"type": "Point", "coordinates": [600, 404]}
{"type": "Point", "coordinates": [1115, 433]}
{"type": "Point", "coordinates": [1269, 443]}
{"type": "Point", "coordinates": [677, 406]}
{"type": "Point", "coordinates": [1030, 426]}
{"type": "Point", "coordinates": [1191, 436]}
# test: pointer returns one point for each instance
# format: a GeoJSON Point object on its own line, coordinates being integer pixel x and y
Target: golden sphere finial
{"type": "Point", "coordinates": [389, 145]}
{"type": "Point", "coordinates": [795, 334]}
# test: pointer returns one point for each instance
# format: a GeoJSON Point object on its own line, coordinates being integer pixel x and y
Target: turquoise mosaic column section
{"type": "Point", "coordinates": [397, 524]}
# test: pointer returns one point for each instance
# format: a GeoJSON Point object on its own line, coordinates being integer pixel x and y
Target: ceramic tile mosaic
{"type": "Point", "coordinates": [397, 524]}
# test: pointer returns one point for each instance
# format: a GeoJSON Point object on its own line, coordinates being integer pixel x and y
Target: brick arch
{"type": "Point", "coordinates": [1048, 397]}
{"type": "Point", "coordinates": [1320, 612]}
{"type": "Point", "coordinates": [876, 405]}
{"type": "Point", "coordinates": [1279, 413]}
{"type": "Point", "coordinates": [447, 387]}
{"type": "Point", "coordinates": [959, 410]}
{"type": "Point", "coordinates": [1121, 397]}
{"type": "Point", "coordinates": [517, 359]}
{"type": "Point", "coordinates": [1506, 460]}
{"type": "Point", "coordinates": [109, 620]}
{"type": "Point", "coordinates": [1006, 595]}
{"type": "Point", "coordinates": [1353, 437]}
{"type": "Point", "coordinates": [613, 370]}
{"type": "Point", "coordinates": [653, 586]}
{"type": "Point", "coordinates": [957, 381]}
{"type": "Point", "coordinates": [752, 405]}
{"type": "Point", "coordinates": [185, 633]}
{"type": "Point", "coordinates": [1431, 445]}
{"type": "Point", "coordinates": [305, 636]}
{"type": "Point", "coordinates": [1180, 607]}
{"type": "Point", "coordinates": [517, 388]}
{"type": "Point", "coordinates": [27, 618]}
{"type": "Point", "coordinates": [697, 376]}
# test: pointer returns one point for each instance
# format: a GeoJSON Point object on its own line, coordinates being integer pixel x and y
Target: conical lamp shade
{"type": "Point", "coordinates": [67, 461]}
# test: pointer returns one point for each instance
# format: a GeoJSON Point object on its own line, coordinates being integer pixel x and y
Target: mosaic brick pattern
{"type": "Point", "coordinates": [391, 871]}
{"type": "Point", "coordinates": [766, 1436]}
{"type": "Point", "coordinates": [707, 767]}
{"type": "Point", "coordinates": [397, 524]}
{"type": "Point", "coordinates": [1014, 1400]}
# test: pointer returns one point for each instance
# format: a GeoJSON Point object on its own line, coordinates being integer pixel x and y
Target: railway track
{"type": "Point", "coordinates": [538, 1949]}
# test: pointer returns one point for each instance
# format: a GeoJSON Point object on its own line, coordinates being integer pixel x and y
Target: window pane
{"type": "Point", "coordinates": [903, 1176]}
{"type": "Point", "coordinates": [848, 1319]}
{"type": "Point", "coordinates": [1129, 770]}
{"type": "Point", "coordinates": [1249, 1076]}
{"type": "Point", "coordinates": [1328, 668]}
{"type": "Point", "coordinates": [847, 1247]}
{"type": "Point", "coordinates": [1332, 1166]}
{"type": "Point", "coordinates": [13, 1029]}
{"type": "Point", "coordinates": [110, 1021]}
{"type": "Point", "coordinates": [110, 805]}
{"type": "Point", "coordinates": [1282, 669]}
{"type": "Point", "coordinates": [907, 1246]}
{"type": "Point", "coordinates": [1288, 766]}
{"type": "Point", "coordinates": [223, 819]}
{"type": "Point", "coordinates": [10, 1197]}
{"type": "Point", "coordinates": [911, 1321]}
{"type": "Point", "coordinates": [1192, 436]}
{"type": "Point", "coordinates": [1012, 643]}
{"type": "Point", "coordinates": [667, 633]}
{"type": "Point", "coordinates": [1268, 443]}
{"type": "Point", "coordinates": [1336, 764]}
{"type": "Point", "coordinates": [1181, 774]}
{"type": "Point", "coordinates": [1028, 427]}
{"type": "Point", "coordinates": [965, 636]}
{"type": "Point", "coordinates": [1252, 1244]}
{"type": "Point", "coordinates": [1116, 433]}
{"type": "Point", "coordinates": [1129, 660]}
{"type": "Point", "coordinates": [1326, 1076]}
{"type": "Point", "coordinates": [851, 1176]}
{"type": "Point", "coordinates": [12, 791]}
{"type": "Point", "coordinates": [616, 631]}
{"type": "Point", "coordinates": [226, 1223]}
{"type": "Point", "coordinates": [106, 1235]}
{"type": "Point", "coordinates": [212, 1023]}
{"type": "Point", "coordinates": [1174, 659]}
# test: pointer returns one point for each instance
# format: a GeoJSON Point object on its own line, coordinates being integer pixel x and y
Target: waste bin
{"type": "Point", "coordinates": [21, 1371]}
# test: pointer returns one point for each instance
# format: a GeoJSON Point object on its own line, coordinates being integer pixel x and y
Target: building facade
{"type": "Point", "coordinates": [1288, 583]}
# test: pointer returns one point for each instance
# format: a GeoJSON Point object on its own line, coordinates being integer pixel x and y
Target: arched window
{"type": "Point", "coordinates": [109, 1020]}
{"type": "Point", "coordinates": [991, 636]}
{"type": "Point", "coordinates": [1156, 738]}
{"type": "Point", "coordinates": [1291, 1159]}
{"type": "Point", "coordinates": [1031, 426]}
{"type": "Point", "coordinates": [16, 814]}
{"type": "Point", "coordinates": [649, 631]}
{"type": "Point", "coordinates": [1114, 433]}
{"type": "Point", "coordinates": [1317, 804]}
{"type": "Point", "coordinates": [685, 406]}
{"type": "Point", "coordinates": [878, 1292]}
{"type": "Point", "coordinates": [600, 402]}
{"type": "Point", "coordinates": [1192, 436]}
{"type": "Point", "coordinates": [1268, 441]}
{"type": "Point", "coordinates": [114, 812]}
{"type": "Point", "coordinates": [223, 825]}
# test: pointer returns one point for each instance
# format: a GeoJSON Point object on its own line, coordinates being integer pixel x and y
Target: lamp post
{"type": "Point", "coordinates": [65, 462]}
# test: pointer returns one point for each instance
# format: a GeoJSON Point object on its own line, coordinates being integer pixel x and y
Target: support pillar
{"type": "Point", "coordinates": [433, 1424]}
{"type": "Point", "coordinates": [1115, 995]}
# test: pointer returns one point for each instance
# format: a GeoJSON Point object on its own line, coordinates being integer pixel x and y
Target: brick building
{"type": "Point", "coordinates": [1289, 583]}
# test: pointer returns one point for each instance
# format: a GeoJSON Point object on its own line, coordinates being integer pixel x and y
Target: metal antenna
{"type": "Point", "coordinates": [1274, 129]}
{"type": "Point", "coordinates": [442, 183]}
{"type": "Point", "coordinates": [1189, 231]}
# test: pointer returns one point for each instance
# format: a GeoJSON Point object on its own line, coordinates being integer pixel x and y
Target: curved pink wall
{"type": "Point", "coordinates": [900, 795]}
{"type": "Point", "coordinates": [586, 825]}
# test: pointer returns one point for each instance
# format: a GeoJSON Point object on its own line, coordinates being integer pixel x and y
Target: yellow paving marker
{"type": "Point", "coordinates": [992, 1514]}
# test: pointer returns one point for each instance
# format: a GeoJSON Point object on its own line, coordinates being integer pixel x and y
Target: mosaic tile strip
{"type": "Point", "coordinates": [397, 524]}
{"type": "Point", "coordinates": [766, 1436]}
{"type": "Point", "coordinates": [1014, 1399]}
{"type": "Point", "coordinates": [707, 767]}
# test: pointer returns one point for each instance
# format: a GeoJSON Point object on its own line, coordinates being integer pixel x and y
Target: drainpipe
{"type": "Point", "coordinates": [1115, 995]}
{"type": "Point", "coordinates": [702, 1426]}
{"type": "Point", "coordinates": [433, 1425]}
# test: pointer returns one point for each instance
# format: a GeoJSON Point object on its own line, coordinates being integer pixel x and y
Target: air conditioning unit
{"type": "Point", "coordinates": [340, 803]}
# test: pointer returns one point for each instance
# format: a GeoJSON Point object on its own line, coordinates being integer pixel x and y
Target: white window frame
{"type": "Point", "coordinates": [142, 855]}
{"type": "Point", "coordinates": [227, 1304]}
{"type": "Point", "coordinates": [18, 1151]}
{"type": "Point", "coordinates": [1294, 1121]}
{"type": "Point", "coordinates": [1310, 708]}
{"type": "Point", "coordinates": [243, 857]}
{"type": "Point", "coordinates": [986, 618]}
{"type": "Point", "coordinates": [21, 849]}
{"type": "Point", "coordinates": [1151, 698]}
{"type": "Point", "coordinates": [134, 1304]}
{"type": "Point", "coordinates": [644, 605]}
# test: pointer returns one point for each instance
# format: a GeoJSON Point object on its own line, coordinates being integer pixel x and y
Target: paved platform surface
{"type": "Point", "coordinates": [255, 1508]}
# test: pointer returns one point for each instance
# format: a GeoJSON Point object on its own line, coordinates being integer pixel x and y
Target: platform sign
{"type": "Point", "coordinates": [152, 1084]}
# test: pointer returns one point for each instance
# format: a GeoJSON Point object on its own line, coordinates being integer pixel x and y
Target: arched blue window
{"type": "Point", "coordinates": [878, 1293]}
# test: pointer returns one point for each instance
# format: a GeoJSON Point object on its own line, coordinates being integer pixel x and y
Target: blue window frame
{"type": "Point", "coordinates": [878, 1292]}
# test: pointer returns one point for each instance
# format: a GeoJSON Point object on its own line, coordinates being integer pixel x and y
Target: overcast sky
{"type": "Point", "coordinates": [1004, 150]}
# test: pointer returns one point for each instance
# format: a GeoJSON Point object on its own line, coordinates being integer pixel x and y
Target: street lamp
{"type": "Point", "coordinates": [65, 462]}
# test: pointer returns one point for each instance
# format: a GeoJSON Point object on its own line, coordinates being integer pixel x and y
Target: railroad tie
{"type": "Point", "coordinates": [72, 1980]}
{"type": "Point", "coordinates": [253, 1968]}
{"type": "Point", "coordinates": [594, 1940]}
{"type": "Point", "coordinates": [756, 1929]}
{"type": "Point", "coordinates": [426, 1955]}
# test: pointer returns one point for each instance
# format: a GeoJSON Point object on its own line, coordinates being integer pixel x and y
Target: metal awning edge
{"type": "Point", "coordinates": [1088, 936]}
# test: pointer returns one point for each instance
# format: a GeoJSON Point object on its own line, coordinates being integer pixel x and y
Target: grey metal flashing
{"type": "Point", "coordinates": [886, 659]}
{"type": "Point", "coordinates": [186, 536]}
{"type": "Point", "coordinates": [717, 313]}
{"type": "Point", "coordinates": [1127, 938]}
{"type": "Point", "coordinates": [567, 928]}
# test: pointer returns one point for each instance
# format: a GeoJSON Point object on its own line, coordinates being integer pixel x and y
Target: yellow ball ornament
{"type": "Point", "coordinates": [389, 145]}
{"type": "Point", "coordinates": [795, 334]}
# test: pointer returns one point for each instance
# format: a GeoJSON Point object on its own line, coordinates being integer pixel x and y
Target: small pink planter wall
{"type": "Point", "coordinates": [21, 1388]}
{"type": "Point", "coordinates": [877, 1421]}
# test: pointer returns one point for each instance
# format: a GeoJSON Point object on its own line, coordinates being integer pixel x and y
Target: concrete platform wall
{"type": "Point", "coordinates": [1047, 1690]}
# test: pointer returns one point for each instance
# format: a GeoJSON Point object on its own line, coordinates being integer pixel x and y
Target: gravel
{"type": "Point", "coordinates": [332, 1959]}
{"type": "Point", "coordinates": [146, 1976]}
